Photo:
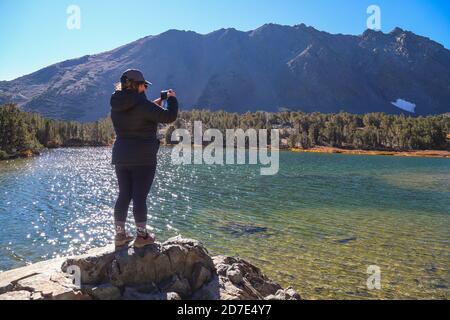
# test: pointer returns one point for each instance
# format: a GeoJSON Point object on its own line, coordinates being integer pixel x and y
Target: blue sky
{"type": "Point", "coordinates": [34, 34]}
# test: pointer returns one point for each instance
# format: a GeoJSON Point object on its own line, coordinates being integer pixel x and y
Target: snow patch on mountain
{"type": "Point", "coordinates": [405, 105]}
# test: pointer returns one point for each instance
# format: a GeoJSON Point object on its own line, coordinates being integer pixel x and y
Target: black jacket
{"type": "Point", "coordinates": [135, 121]}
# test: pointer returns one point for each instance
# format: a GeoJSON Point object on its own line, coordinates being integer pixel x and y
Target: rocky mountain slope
{"type": "Point", "coordinates": [177, 269]}
{"type": "Point", "coordinates": [272, 67]}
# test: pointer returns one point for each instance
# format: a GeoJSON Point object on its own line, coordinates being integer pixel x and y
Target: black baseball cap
{"type": "Point", "coordinates": [135, 75]}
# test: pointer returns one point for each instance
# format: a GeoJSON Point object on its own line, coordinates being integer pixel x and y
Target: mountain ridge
{"type": "Point", "coordinates": [271, 67]}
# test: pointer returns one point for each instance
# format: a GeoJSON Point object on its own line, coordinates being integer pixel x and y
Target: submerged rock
{"type": "Point", "coordinates": [346, 240]}
{"type": "Point", "coordinates": [239, 229]}
{"type": "Point", "coordinates": [176, 269]}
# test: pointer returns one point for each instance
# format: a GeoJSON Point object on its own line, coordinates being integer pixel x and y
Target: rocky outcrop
{"type": "Point", "coordinates": [177, 269]}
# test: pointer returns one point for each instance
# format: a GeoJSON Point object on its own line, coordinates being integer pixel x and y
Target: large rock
{"type": "Point", "coordinates": [176, 269]}
{"type": "Point", "coordinates": [43, 280]}
{"type": "Point", "coordinates": [240, 280]}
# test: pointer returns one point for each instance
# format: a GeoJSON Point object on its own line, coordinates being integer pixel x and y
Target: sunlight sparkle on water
{"type": "Point", "coordinates": [317, 225]}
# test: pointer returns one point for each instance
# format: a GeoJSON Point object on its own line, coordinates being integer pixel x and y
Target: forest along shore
{"type": "Point", "coordinates": [24, 134]}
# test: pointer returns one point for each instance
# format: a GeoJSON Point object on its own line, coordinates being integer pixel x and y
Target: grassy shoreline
{"type": "Point", "coordinates": [410, 153]}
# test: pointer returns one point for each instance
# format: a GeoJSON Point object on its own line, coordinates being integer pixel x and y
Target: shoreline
{"type": "Point", "coordinates": [330, 150]}
{"type": "Point", "coordinates": [412, 153]}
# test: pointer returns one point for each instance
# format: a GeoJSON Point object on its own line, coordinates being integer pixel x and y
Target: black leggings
{"type": "Point", "coordinates": [134, 183]}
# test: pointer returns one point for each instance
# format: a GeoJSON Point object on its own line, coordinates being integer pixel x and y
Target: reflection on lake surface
{"type": "Point", "coordinates": [317, 225]}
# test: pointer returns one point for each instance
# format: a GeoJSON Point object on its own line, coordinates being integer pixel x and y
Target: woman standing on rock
{"type": "Point", "coordinates": [135, 121]}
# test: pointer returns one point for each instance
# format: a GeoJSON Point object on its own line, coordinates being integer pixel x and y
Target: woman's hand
{"type": "Point", "coordinates": [171, 93]}
{"type": "Point", "coordinates": [159, 101]}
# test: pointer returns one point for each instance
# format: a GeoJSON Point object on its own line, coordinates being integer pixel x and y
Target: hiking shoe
{"type": "Point", "coordinates": [141, 241]}
{"type": "Point", "coordinates": [122, 240]}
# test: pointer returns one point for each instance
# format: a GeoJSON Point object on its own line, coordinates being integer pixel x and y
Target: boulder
{"type": "Point", "coordinates": [242, 280]}
{"type": "Point", "coordinates": [104, 292]}
{"type": "Point", "coordinates": [286, 294]}
{"type": "Point", "coordinates": [94, 264]}
{"type": "Point", "coordinates": [16, 295]}
{"type": "Point", "coordinates": [43, 280]}
{"type": "Point", "coordinates": [176, 269]}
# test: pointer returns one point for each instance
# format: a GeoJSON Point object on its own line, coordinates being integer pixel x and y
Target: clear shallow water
{"type": "Point", "coordinates": [317, 225]}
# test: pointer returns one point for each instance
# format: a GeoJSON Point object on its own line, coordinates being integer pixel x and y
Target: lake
{"type": "Point", "coordinates": [318, 224]}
